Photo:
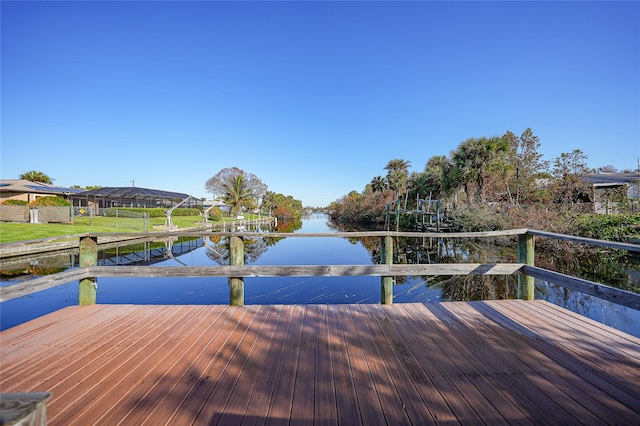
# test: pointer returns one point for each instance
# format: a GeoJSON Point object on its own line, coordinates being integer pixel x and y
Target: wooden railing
{"type": "Point", "coordinates": [89, 272]}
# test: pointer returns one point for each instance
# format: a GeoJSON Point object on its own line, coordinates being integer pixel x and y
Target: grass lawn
{"type": "Point", "coordinates": [10, 232]}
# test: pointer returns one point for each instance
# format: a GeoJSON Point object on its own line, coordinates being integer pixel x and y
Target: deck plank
{"type": "Point", "coordinates": [431, 361]}
{"type": "Point", "coordinates": [153, 388]}
{"type": "Point", "coordinates": [78, 349]}
{"type": "Point", "coordinates": [343, 377]}
{"type": "Point", "coordinates": [369, 405]}
{"type": "Point", "coordinates": [401, 351]}
{"type": "Point", "coordinates": [410, 399]}
{"type": "Point", "coordinates": [524, 368]}
{"type": "Point", "coordinates": [591, 358]}
{"type": "Point", "coordinates": [384, 384]}
{"type": "Point", "coordinates": [515, 362]}
{"type": "Point", "coordinates": [258, 403]}
{"type": "Point", "coordinates": [302, 404]}
{"type": "Point", "coordinates": [514, 367]}
{"type": "Point", "coordinates": [583, 391]}
{"type": "Point", "coordinates": [118, 371]}
{"type": "Point", "coordinates": [174, 385]}
{"type": "Point", "coordinates": [207, 378]}
{"type": "Point", "coordinates": [325, 405]}
{"type": "Point", "coordinates": [227, 403]}
{"type": "Point", "coordinates": [282, 397]}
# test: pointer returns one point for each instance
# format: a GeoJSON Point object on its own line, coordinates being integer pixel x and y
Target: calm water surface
{"type": "Point", "coordinates": [312, 290]}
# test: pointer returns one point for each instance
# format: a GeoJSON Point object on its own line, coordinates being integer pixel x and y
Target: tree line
{"type": "Point", "coordinates": [505, 170]}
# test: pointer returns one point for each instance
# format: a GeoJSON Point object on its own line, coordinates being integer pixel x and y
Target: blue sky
{"type": "Point", "coordinates": [314, 98]}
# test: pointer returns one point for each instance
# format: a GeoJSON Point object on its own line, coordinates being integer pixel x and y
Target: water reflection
{"type": "Point", "coordinates": [144, 252]}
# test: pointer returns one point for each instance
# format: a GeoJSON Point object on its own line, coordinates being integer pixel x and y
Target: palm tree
{"type": "Point", "coordinates": [473, 158]}
{"type": "Point", "coordinates": [36, 176]}
{"type": "Point", "coordinates": [378, 184]}
{"type": "Point", "coordinates": [237, 195]}
{"type": "Point", "coordinates": [397, 174]}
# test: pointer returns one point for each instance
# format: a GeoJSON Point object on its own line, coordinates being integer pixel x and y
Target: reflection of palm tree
{"type": "Point", "coordinates": [254, 248]}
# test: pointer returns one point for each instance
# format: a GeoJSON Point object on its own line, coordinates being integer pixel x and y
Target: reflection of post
{"type": "Point", "coordinates": [526, 283]}
{"type": "Point", "coordinates": [236, 258]}
{"type": "Point", "coordinates": [386, 257]}
{"type": "Point", "coordinates": [88, 257]}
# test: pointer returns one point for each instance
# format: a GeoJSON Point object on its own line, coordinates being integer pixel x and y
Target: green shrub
{"type": "Point", "coordinates": [186, 212]}
{"type": "Point", "coordinates": [50, 201]}
{"type": "Point", "coordinates": [480, 218]}
{"type": "Point", "coordinates": [15, 203]}
{"type": "Point", "coordinates": [152, 212]}
{"type": "Point", "coordinates": [613, 227]}
{"type": "Point", "coordinates": [215, 214]}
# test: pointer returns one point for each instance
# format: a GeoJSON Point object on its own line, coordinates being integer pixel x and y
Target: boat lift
{"type": "Point", "coordinates": [424, 208]}
{"type": "Point", "coordinates": [168, 224]}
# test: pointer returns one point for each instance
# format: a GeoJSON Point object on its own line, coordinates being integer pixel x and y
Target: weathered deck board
{"type": "Point", "coordinates": [509, 362]}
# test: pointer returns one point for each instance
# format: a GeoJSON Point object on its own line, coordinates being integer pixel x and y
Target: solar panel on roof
{"type": "Point", "coordinates": [52, 188]}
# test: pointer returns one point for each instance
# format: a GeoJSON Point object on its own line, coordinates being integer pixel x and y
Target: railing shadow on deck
{"type": "Point", "coordinates": [89, 273]}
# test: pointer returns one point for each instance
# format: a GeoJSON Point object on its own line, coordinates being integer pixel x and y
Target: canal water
{"type": "Point", "coordinates": [213, 251]}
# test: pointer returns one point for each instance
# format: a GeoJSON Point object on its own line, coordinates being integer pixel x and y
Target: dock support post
{"type": "Point", "coordinates": [88, 257]}
{"type": "Point", "coordinates": [386, 257]}
{"type": "Point", "coordinates": [526, 284]}
{"type": "Point", "coordinates": [236, 258]}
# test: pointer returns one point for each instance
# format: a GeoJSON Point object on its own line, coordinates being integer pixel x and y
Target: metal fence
{"type": "Point", "coordinates": [127, 219]}
{"type": "Point", "coordinates": [11, 213]}
{"type": "Point", "coordinates": [119, 219]}
{"type": "Point", "coordinates": [41, 214]}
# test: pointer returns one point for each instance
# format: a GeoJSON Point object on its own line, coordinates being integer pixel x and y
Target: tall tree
{"type": "Point", "coordinates": [428, 183]}
{"type": "Point", "coordinates": [397, 174]}
{"type": "Point", "coordinates": [378, 184]}
{"type": "Point", "coordinates": [237, 188]}
{"type": "Point", "coordinates": [281, 205]}
{"type": "Point", "coordinates": [472, 160]}
{"type": "Point", "coordinates": [567, 173]}
{"type": "Point", "coordinates": [525, 163]}
{"type": "Point", "coordinates": [36, 176]}
{"type": "Point", "coordinates": [433, 171]}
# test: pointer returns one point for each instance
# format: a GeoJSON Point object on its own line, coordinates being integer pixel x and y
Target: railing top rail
{"type": "Point", "coordinates": [201, 232]}
{"type": "Point", "coordinates": [584, 240]}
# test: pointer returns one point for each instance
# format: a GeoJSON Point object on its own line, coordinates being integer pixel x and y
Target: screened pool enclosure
{"type": "Point", "coordinates": [132, 196]}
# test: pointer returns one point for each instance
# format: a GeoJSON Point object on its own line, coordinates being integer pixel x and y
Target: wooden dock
{"type": "Point", "coordinates": [493, 362]}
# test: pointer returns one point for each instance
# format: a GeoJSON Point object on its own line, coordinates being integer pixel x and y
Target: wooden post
{"type": "Point", "coordinates": [88, 257]}
{"type": "Point", "coordinates": [236, 258]}
{"type": "Point", "coordinates": [526, 284]}
{"type": "Point", "coordinates": [386, 257]}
